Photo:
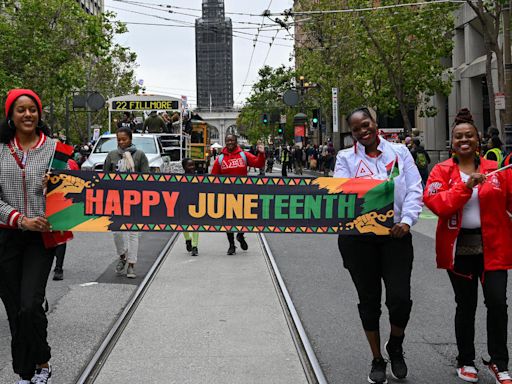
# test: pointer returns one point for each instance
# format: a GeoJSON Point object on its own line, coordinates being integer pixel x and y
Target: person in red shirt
{"type": "Point", "coordinates": [473, 243]}
{"type": "Point", "coordinates": [234, 161]}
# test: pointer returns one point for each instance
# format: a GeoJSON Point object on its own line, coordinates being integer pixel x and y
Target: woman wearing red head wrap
{"type": "Point", "coordinates": [25, 263]}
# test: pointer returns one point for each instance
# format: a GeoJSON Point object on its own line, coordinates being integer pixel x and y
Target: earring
{"type": "Point", "coordinates": [9, 124]}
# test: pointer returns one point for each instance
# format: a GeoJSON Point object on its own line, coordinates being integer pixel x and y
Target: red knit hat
{"type": "Point", "coordinates": [14, 94]}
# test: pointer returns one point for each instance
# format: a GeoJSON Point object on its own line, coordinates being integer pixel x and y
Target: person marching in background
{"type": "Point", "coordinates": [191, 238]}
{"type": "Point", "coordinates": [421, 159]}
{"type": "Point", "coordinates": [25, 263]}
{"type": "Point", "coordinates": [234, 161]}
{"type": "Point", "coordinates": [126, 158]}
{"type": "Point", "coordinates": [373, 259]}
{"type": "Point", "coordinates": [473, 243]}
{"type": "Point", "coordinates": [494, 152]}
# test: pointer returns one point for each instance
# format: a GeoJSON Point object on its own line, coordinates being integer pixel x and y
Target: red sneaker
{"type": "Point", "coordinates": [468, 373]}
{"type": "Point", "coordinates": [502, 377]}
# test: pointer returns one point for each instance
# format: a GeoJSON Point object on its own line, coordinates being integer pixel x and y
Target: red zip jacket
{"type": "Point", "coordinates": [446, 194]}
{"type": "Point", "coordinates": [233, 164]}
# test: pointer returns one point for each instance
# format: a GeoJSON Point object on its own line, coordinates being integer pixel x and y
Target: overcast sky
{"type": "Point", "coordinates": [166, 55]}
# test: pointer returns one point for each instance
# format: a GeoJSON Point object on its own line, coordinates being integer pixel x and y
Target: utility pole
{"type": "Point", "coordinates": [508, 77]}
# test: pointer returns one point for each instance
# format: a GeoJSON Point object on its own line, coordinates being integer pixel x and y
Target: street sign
{"type": "Point", "coordinates": [282, 119]}
{"type": "Point", "coordinates": [95, 101]}
{"type": "Point", "coordinates": [96, 134]}
{"type": "Point", "coordinates": [335, 122]}
{"type": "Point", "coordinates": [291, 97]}
{"type": "Point", "coordinates": [499, 100]}
{"type": "Point", "coordinates": [129, 105]}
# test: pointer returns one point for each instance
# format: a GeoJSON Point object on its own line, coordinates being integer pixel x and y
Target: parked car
{"type": "Point", "coordinates": [149, 143]}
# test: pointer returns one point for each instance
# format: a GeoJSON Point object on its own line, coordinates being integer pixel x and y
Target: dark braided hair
{"type": "Point", "coordinates": [464, 117]}
{"type": "Point", "coordinates": [367, 112]}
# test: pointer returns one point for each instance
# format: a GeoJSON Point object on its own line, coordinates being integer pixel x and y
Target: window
{"type": "Point", "coordinates": [145, 144]}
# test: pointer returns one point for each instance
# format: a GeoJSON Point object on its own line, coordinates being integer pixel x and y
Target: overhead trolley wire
{"type": "Point", "coordinates": [252, 56]}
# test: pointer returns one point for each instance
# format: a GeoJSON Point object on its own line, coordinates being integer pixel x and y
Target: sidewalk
{"type": "Point", "coordinates": [208, 319]}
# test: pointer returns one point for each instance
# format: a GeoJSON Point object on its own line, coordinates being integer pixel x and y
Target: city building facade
{"type": "Point", "coordinates": [214, 58]}
{"type": "Point", "coordinates": [94, 7]}
{"type": "Point", "coordinates": [469, 87]}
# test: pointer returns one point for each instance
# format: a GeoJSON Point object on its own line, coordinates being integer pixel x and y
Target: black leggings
{"type": "Point", "coordinates": [371, 259]}
{"type": "Point", "coordinates": [494, 286]}
{"type": "Point", "coordinates": [231, 237]}
{"type": "Point", "coordinates": [60, 252]}
{"type": "Point", "coordinates": [24, 268]}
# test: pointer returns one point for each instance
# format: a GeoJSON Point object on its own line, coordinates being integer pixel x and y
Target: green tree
{"type": "Point", "coordinates": [266, 97]}
{"type": "Point", "coordinates": [489, 15]}
{"type": "Point", "coordinates": [389, 58]}
{"type": "Point", "coordinates": [49, 47]}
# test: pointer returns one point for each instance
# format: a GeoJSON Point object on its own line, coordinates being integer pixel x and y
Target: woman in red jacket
{"type": "Point", "coordinates": [473, 242]}
{"type": "Point", "coordinates": [234, 161]}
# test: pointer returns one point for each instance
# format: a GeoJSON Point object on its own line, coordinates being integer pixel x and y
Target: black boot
{"type": "Point", "coordinates": [231, 249]}
{"type": "Point", "coordinates": [189, 245]}
{"type": "Point", "coordinates": [241, 239]}
{"type": "Point", "coordinates": [195, 251]}
{"type": "Point", "coordinates": [58, 274]}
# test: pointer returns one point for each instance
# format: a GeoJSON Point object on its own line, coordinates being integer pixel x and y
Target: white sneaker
{"type": "Point", "coordinates": [501, 377]}
{"type": "Point", "coordinates": [130, 272]}
{"type": "Point", "coordinates": [42, 376]}
{"type": "Point", "coordinates": [468, 373]}
{"type": "Point", "coordinates": [23, 382]}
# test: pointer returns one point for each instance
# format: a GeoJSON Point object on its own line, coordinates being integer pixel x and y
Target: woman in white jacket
{"type": "Point", "coordinates": [371, 259]}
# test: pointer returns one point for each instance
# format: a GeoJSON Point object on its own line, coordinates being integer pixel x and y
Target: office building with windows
{"type": "Point", "coordinates": [94, 7]}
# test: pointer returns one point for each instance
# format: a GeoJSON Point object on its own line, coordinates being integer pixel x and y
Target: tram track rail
{"type": "Point", "coordinates": [92, 370]}
{"type": "Point", "coordinates": [308, 359]}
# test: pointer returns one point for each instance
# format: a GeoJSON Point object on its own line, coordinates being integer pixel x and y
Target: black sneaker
{"type": "Point", "coordinates": [58, 274]}
{"type": "Point", "coordinates": [241, 239]}
{"type": "Point", "coordinates": [231, 249]}
{"type": "Point", "coordinates": [378, 373]}
{"type": "Point", "coordinates": [398, 366]}
{"type": "Point", "coordinates": [189, 245]}
{"type": "Point", "coordinates": [195, 252]}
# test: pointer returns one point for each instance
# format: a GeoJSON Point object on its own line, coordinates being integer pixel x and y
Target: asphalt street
{"type": "Point", "coordinates": [85, 304]}
{"type": "Point", "coordinates": [326, 301]}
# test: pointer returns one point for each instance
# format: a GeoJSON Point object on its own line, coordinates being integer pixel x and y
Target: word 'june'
{"type": "Point", "coordinates": [120, 203]}
{"type": "Point", "coordinates": [252, 206]}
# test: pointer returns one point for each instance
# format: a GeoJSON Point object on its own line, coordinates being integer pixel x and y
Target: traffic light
{"type": "Point", "coordinates": [280, 130]}
{"type": "Point", "coordinates": [264, 119]}
{"type": "Point", "coordinates": [316, 117]}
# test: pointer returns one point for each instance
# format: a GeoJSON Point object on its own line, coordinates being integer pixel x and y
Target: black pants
{"type": "Point", "coordinates": [284, 169]}
{"type": "Point", "coordinates": [231, 237]}
{"type": "Point", "coordinates": [24, 268]}
{"type": "Point", "coordinates": [371, 259]}
{"type": "Point", "coordinates": [494, 287]}
{"type": "Point", "coordinates": [60, 252]}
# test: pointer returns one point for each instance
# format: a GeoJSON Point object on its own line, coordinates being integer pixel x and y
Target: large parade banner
{"type": "Point", "coordinates": [100, 202]}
